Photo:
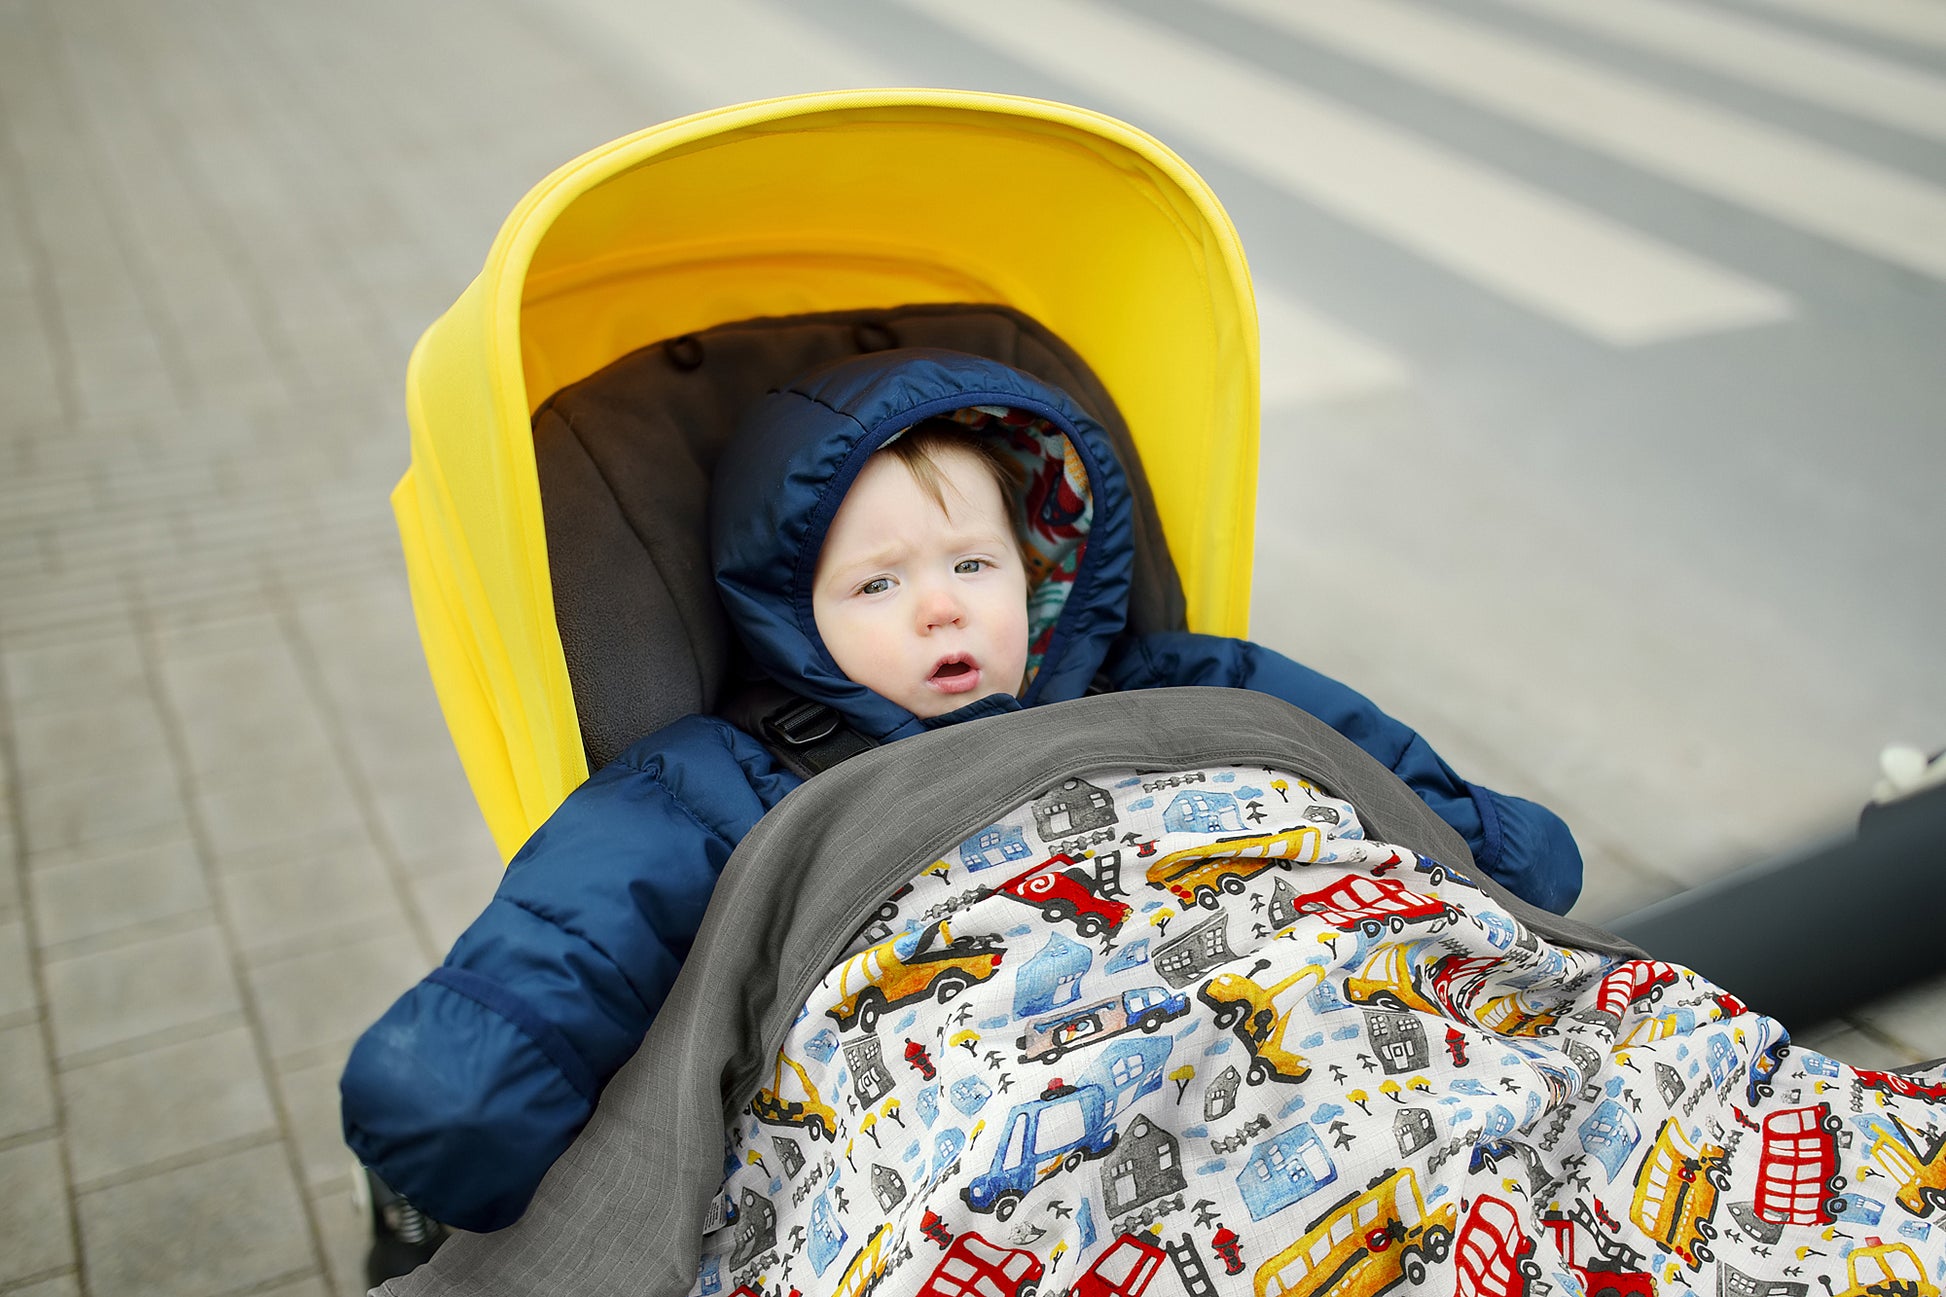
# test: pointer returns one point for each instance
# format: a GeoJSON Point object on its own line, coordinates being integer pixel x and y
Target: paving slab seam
{"type": "Point", "coordinates": [12, 775]}
{"type": "Point", "coordinates": [60, 357]}
{"type": "Point", "coordinates": [159, 326]}
{"type": "Point", "coordinates": [175, 1034]}
{"type": "Point", "coordinates": [21, 1138]}
{"type": "Point", "coordinates": [272, 108]}
{"type": "Point", "coordinates": [127, 935]}
{"type": "Point", "coordinates": [223, 230]}
{"type": "Point", "coordinates": [24, 1282]}
{"type": "Point", "coordinates": [177, 1161]}
{"type": "Point", "coordinates": [319, 942]}
{"type": "Point", "coordinates": [251, 1012]}
{"type": "Point", "coordinates": [271, 1285]}
{"type": "Point", "coordinates": [312, 675]}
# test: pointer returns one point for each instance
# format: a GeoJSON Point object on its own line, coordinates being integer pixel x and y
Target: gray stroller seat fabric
{"type": "Point", "coordinates": [625, 458]}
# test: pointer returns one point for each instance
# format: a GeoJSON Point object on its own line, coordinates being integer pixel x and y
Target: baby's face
{"type": "Point", "coordinates": [927, 608]}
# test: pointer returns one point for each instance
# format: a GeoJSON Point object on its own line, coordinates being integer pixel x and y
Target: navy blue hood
{"type": "Point", "coordinates": [795, 455]}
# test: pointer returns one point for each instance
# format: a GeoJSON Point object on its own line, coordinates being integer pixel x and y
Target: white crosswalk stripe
{"type": "Point", "coordinates": [1849, 200]}
{"type": "Point", "coordinates": [1558, 259]}
{"type": "Point", "coordinates": [768, 50]}
{"type": "Point", "coordinates": [1923, 21]}
{"type": "Point", "coordinates": [1308, 359]}
{"type": "Point", "coordinates": [727, 51]}
{"type": "Point", "coordinates": [1816, 71]}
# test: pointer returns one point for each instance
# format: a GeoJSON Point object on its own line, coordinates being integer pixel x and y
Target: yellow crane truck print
{"type": "Point", "coordinates": [1195, 875]}
{"type": "Point", "coordinates": [1916, 1164]}
{"type": "Point", "coordinates": [925, 963]}
{"type": "Point", "coordinates": [1261, 1015]}
{"type": "Point", "coordinates": [791, 1100]}
{"type": "Point", "coordinates": [1676, 1188]}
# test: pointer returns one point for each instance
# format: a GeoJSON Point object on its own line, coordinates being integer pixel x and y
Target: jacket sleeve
{"type": "Point", "coordinates": [469, 1087]}
{"type": "Point", "coordinates": [1519, 843]}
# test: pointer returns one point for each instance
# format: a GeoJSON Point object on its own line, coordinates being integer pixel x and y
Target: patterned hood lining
{"type": "Point", "coordinates": [1053, 512]}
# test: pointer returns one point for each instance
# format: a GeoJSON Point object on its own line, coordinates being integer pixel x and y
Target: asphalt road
{"type": "Point", "coordinates": [1602, 435]}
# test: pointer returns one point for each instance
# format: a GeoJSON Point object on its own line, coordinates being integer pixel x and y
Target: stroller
{"type": "Point", "coordinates": [555, 547]}
{"type": "Point", "coordinates": [913, 218]}
{"type": "Point", "coordinates": [559, 573]}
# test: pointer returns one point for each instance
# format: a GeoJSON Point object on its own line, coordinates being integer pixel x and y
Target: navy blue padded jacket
{"type": "Point", "coordinates": [470, 1086]}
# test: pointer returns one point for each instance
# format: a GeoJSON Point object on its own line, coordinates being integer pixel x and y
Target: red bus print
{"type": "Point", "coordinates": [1797, 1174]}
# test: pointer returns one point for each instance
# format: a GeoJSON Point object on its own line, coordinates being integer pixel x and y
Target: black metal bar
{"type": "Point", "coordinates": [1810, 936]}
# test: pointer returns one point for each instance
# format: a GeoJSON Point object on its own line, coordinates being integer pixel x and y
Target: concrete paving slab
{"type": "Point", "coordinates": [72, 740]}
{"type": "Point", "coordinates": [319, 1001]}
{"type": "Point", "coordinates": [102, 808]}
{"type": "Point", "coordinates": [231, 1224]}
{"type": "Point", "coordinates": [86, 898]}
{"type": "Point", "coordinates": [419, 817]}
{"type": "Point", "coordinates": [57, 672]}
{"type": "Point", "coordinates": [294, 900]}
{"type": "Point", "coordinates": [114, 997]}
{"type": "Point", "coordinates": [158, 1105]}
{"type": "Point", "coordinates": [1915, 1017]}
{"type": "Point", "coordinates": [247, 816]}
{"type": "Point", "coordinates": [26, 1084]}
{"type": "Point", "coordinates": [345, 1236]}
{"type": "Point", "coordinates": [309, 1096]}
{"type": "Point", "coordinates": [34, 1212]}
{"type": "Point", "coordinates": [18, 997]}
{"type": "Point", "coordinates": [452, 898]}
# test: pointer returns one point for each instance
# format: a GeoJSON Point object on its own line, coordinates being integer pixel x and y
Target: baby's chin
{"type": "Point", "coordinates": [931, 704]}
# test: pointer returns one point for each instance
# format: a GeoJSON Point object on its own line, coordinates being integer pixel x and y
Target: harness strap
{"type": "Point", "coordinates": [807, 737]}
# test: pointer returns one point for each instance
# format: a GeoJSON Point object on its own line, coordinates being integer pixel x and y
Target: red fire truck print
{"type": "Point", "coordinates": [1493, 1257]}
{"type": "Point", "coordinates": [1456, 980]}
{"type": "Point", "coordinates": [1371, 905]}
{"type": "Point", "coordinates": [1635, 982]}
{"type": "Point", "coordinates": [1124, 1270]}
{"type": "Point", "coordinates": [1071, 894]}
{"type": "Point", "coordinates": [1601, 1276]}
{"type": "Point", "coordinates": [1903, 1086]}
{"type": "Point", "coordinates": [973, 1267]}
{"type": "Point", "coordinates": [1797, 1174]}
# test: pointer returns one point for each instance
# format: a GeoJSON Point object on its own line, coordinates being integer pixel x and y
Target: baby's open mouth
{"type": "Point", "coordinates": [955, 675]}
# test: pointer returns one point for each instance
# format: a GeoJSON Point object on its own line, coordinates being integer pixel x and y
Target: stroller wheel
{"type": "Point", "coordinates": [403, 1237]}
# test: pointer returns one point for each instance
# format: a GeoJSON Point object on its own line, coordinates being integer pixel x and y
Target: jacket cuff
{"type": "Point", "coordinates": [1529, 849]}
{"type": "Point", "coordinates": [457, 1106]}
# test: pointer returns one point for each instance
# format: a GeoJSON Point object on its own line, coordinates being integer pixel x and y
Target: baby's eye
{"type": "Point", "coordinates": [877, 585]}
{"type": "Point", "coordinates": [969, 565]}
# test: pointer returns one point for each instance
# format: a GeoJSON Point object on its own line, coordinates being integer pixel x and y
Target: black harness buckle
{"type": "Point", "coordinates": [801, 723]}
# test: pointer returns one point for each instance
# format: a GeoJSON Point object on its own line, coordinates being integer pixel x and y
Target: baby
{"type": "Point", "coordinates": [913, 539]}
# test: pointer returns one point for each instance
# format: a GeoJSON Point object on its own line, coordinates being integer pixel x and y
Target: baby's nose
{"type": "Point", "coordinates": [939, 607]}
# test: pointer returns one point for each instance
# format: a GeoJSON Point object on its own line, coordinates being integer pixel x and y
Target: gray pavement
{"type": "Point", "coordinates": [1687, 586]}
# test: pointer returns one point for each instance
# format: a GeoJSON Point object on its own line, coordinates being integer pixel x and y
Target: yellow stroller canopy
{"type": "Point", "coordinates": [812, 203]}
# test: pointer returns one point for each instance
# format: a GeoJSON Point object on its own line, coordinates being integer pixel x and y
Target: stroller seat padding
{"type": "Point", "coordinates": [625, 459]}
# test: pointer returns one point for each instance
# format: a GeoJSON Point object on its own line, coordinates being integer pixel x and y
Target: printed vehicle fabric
{"type": "Point", "coordinates": [1195, 1033]}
